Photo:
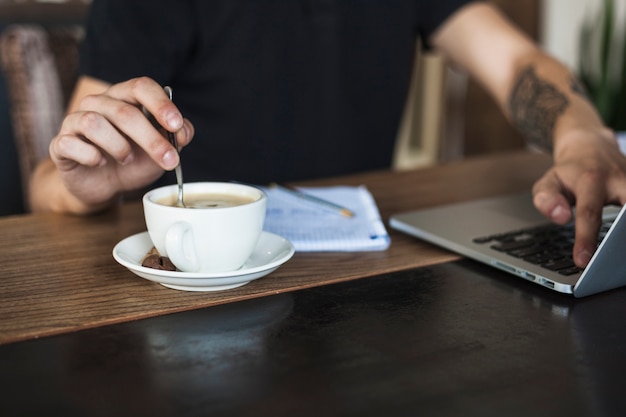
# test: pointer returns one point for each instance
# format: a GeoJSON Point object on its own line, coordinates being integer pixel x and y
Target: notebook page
{"type": "Point", "coordinates": [313, 227]}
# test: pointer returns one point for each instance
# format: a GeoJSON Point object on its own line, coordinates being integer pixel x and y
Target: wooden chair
{"type": "Point", "coordinates": [40, 68]}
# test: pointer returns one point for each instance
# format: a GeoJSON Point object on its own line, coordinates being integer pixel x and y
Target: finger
{"type": "Point", "coordinates": [68, 151]}
{"type": "Point", "coordinates": [550, 199]}
{"type": "Point", "coordinates": [616, 189]}
{"type": "Point", "coordinates": [184, 135]}
{"type": "Point", "coordinates": [146, 92]}
{"type": "Point", "coordinates": [94, 128]}
{"type": "Point", "coordinates": [589, 205]}
{"type": "Point", "coordinates": [130, 123]}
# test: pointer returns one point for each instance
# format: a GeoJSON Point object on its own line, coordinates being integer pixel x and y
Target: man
{"type": "Point", "coordinates": [286, 90]}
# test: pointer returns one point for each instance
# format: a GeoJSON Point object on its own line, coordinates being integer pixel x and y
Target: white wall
{"type": "Point", "coordinates": [561, 25]}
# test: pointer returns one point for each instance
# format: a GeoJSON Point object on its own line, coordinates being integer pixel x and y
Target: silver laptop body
{"type": "Point", "coordinates": [456, 226]}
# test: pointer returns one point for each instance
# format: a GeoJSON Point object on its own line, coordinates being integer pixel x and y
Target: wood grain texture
{"type": "Point", "coordinates": [58, 274]}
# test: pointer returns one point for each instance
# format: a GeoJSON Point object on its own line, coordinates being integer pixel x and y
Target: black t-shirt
{"type": "Point", "coordinates": [277, 90]}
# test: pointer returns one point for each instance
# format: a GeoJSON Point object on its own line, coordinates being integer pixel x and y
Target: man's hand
{"type": "Point", "coordinates": [547, 104]}
{"type": "Point", "coordinates": [106, 146]}
{"type": "Point", "coordinates": [589, 172]}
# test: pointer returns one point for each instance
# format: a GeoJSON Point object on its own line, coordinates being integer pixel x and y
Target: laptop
{"type": "Point", "coordinates": [507, 232]}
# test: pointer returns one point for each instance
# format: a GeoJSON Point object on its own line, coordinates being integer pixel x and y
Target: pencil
{"type": "Point", "coordinates": [325, 203]}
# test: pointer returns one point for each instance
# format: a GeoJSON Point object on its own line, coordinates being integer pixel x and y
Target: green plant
{"type": "Point", "coordinates": [603, 61]}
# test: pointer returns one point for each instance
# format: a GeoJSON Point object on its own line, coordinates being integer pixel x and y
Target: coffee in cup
{"type": "Point", "coordinates": [208, 200]}
{"type": "Point", "coordinates": [217, 231]}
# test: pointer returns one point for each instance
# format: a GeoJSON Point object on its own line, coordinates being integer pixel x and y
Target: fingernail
{"type": "Point", "coordinates": [170, 159]}
{"type": "Point", "coordinates": [129, 158]}
{"type": "Point", "coordinates": [174, 120]}
{"type": "Point", "coordinates": [559, 214]}
{"type": "Point", "coordinates": [583, 258]}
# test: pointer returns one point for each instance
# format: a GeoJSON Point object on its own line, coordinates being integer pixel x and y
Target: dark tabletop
{"type": "Point", "coordinates": [456, 339]}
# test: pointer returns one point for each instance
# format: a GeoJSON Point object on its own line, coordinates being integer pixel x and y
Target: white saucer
{"type": "Point", "coordinates": [271, 252]}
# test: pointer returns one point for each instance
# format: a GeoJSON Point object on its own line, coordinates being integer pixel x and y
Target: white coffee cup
{"type": "Point", "coordinates": [215, 239]}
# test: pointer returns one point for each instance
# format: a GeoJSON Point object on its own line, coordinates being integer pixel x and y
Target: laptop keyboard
{"type": "Point", "coordinates": [549, 246]}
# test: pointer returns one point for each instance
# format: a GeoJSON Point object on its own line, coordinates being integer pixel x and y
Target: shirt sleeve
{"type": "Point", "coordinates": [433, 13]}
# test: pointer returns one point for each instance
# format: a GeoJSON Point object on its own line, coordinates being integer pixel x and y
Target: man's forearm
{"type": "Point", "coordinates": [538, 104]}
{"type": "Point", "coordinates": [535, 106]}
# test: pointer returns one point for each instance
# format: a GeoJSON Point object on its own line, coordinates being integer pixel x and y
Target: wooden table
{"type": "Point", "coordinates": [410, 331]}
{"type": "Point", "coordinates": [58, 274]}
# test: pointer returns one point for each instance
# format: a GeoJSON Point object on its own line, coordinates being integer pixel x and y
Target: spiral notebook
{"type": "Point", "coordinates": [315, 227]}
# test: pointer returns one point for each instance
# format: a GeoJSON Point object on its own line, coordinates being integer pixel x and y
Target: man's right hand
{"type": "Point", "coordinates": [107, 146]}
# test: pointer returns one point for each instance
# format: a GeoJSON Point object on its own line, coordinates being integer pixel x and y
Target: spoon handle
{"type": "Point", "coordinates": [170, 135]}
{"type": "Point", "coordinates": [179, 171]}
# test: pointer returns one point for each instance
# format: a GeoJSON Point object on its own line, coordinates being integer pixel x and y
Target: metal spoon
{"type": "Point", "coordinates": [179, 171]}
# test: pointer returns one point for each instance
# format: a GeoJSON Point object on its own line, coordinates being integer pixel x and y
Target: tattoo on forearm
{"type": "Point", "coordinates": [579, 88]}
{"type": "Point", "coordinates": [535, 105]}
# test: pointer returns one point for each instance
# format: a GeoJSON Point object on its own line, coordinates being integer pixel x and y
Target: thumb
{"type": "Point", "coordinates": [550, 199]}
